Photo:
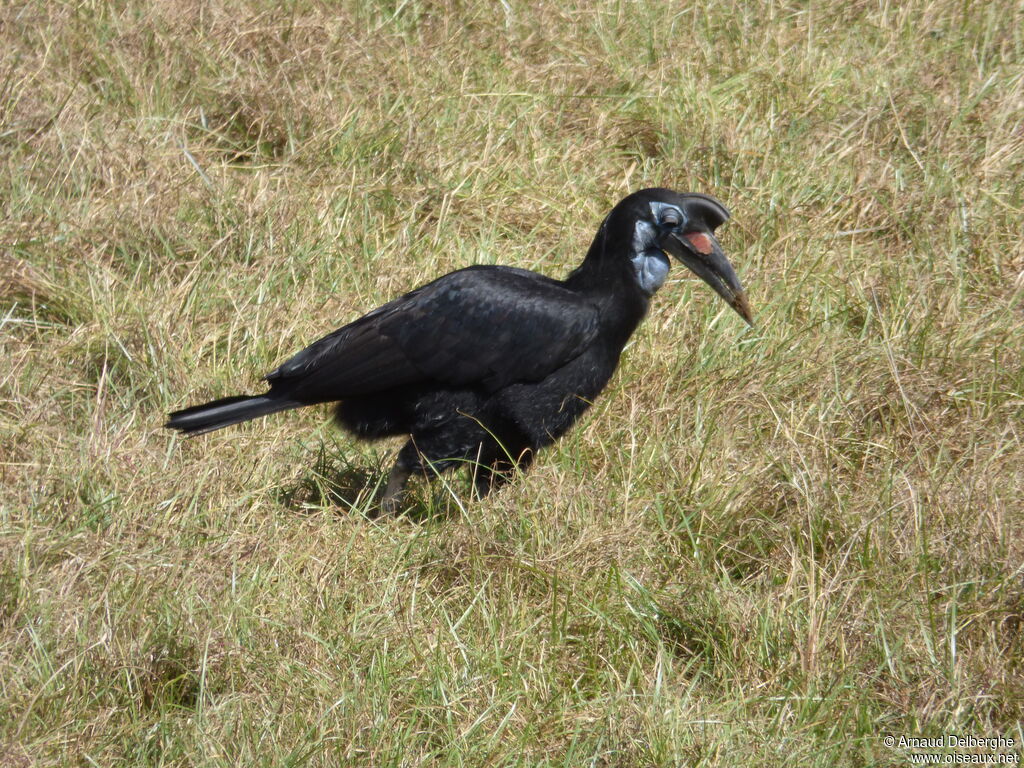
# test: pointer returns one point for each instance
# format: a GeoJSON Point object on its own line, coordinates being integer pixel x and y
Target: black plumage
{"type": "Point", "coordinates": [489, 363]}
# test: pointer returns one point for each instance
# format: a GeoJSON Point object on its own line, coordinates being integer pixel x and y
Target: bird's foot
{"type": "Point", "coordinates": [390, 506]}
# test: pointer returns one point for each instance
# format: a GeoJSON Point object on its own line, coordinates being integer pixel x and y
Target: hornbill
{"type": "Point", "coordinates": [490, 363]}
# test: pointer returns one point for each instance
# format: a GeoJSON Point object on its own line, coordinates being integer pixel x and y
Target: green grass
{"type": "Point", "coordinates": [767, 546]}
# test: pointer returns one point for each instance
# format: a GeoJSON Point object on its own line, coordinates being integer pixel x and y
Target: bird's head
{"type": "Point", "coordinates": [654, 222]}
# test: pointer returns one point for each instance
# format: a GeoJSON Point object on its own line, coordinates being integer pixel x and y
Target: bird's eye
{"type": "Point", "coordinates": [670, 219]}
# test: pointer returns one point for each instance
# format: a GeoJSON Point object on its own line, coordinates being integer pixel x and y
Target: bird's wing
{"type": "Point", "coordinates": [480, 326]}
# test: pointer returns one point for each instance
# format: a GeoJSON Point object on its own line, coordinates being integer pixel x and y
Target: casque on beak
{"type": "Point", "coordinates": [701, 252]}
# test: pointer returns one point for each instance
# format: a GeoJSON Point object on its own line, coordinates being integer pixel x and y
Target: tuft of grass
{"type": "Point", "coordinates": [764, 545]}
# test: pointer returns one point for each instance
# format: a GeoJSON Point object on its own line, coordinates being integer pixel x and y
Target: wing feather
{"type": "Point", "coordinates": [482, 326]}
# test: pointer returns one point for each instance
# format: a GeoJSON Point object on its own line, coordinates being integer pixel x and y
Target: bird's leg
{"type": "Point", "coordinates": [395, 490]}
{"type": "Point", "coordinates": [497, 473]}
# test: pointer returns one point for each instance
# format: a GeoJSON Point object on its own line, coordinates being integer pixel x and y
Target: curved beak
{"type": "Point", "coordinates": [701, 252]}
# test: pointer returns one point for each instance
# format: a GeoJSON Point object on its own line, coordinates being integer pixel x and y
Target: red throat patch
{"type": "Point", "coordinates": [700, 241]}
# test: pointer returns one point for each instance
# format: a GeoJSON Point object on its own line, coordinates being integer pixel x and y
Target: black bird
{"type": "Point", "coordinates": [489, 363]}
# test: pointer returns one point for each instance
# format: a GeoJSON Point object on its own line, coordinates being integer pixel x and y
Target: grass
{"type": "Point", "coordinates": [762, 546]}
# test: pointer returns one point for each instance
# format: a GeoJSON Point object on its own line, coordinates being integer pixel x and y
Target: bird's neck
{"type": "Point", "coordinates": [607, 279]}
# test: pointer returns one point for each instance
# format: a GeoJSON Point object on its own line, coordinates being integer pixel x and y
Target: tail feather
{"type": "Point", "coordinates": [224, 412]}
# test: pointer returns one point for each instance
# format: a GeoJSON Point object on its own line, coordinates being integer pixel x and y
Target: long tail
{"type": "Point", "coordinates": [225, 412]}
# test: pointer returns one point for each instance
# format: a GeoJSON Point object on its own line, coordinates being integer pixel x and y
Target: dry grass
{"type": "Point", "coordinates": [762, 547]}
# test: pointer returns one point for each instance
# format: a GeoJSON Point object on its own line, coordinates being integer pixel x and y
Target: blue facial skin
{"type": "Point", "coordinates": [650, 264]}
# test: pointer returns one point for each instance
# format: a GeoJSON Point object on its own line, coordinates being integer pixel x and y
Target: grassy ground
{"type": "Point", "coordinates": [763, 546]}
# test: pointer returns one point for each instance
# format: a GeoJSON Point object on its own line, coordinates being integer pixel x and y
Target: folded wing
{"type": "Point", "coordinates": [482, 326]}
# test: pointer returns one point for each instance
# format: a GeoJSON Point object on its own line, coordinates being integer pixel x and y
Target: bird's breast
{"type": "Point", "coordinates": [544, 410]}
